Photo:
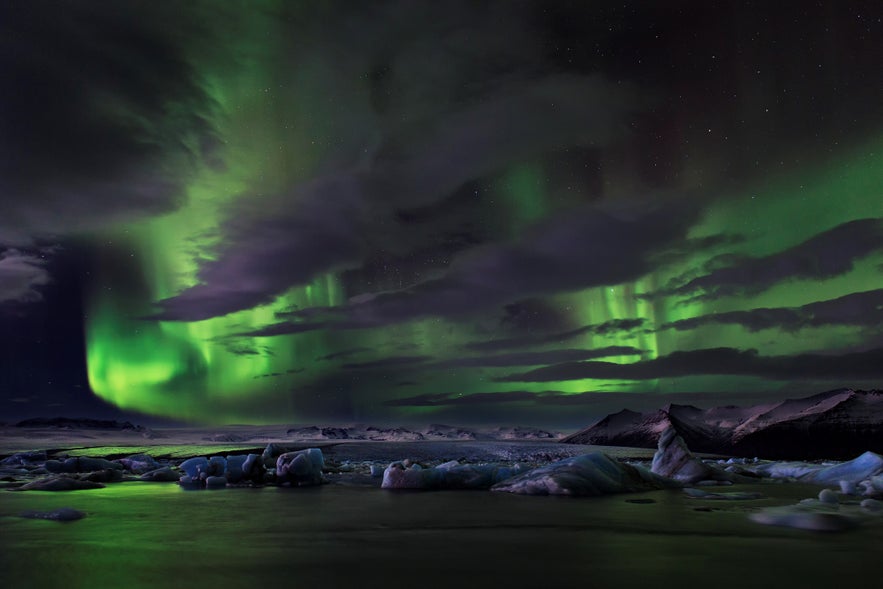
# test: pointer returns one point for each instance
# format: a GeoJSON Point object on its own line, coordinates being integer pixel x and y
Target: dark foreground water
{"type": "Point", "coordinates": [143, 535]}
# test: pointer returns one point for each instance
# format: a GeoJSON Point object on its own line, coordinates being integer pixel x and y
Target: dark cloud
{"type": "Point", "coordinates": [598, 402]}
{"type": "Point", "coordinates": [284, 329]}
{"type": "Point", "coordinates": [328, 223]}
{"type": "Point", "coordinates": [534, 315]}
{"type": "Point", "coordinates": [862, 309]}
{"type": "Point", "coordinates": [583, 249]}
{"type": "Point", "coordinates": [240, 347]}
{"type": "Point", "coordinates": [391, 362]}
{"type": "Point", "coordinates": [21, 276]}
{"type": "Point", "coordinates": [506, 397]}
{"type": "Point", "coordinates": [608, 328]}
{"type": "Point", "coordinates": [101, 118]}
{"type": "Point", "coordinates": [826, 255]}
{"type": "Point", "coordinates": [244, 351]}
{"type": "Point", "coordinates": [435, 400]}
{"type": "Point", "coordinates": [267, 375]}
{"type": "Point", "coordinates": [717, 361]}
{"type": "Point", "coordinates": [537, 358]}
{"type": "Point", "coordinates": [290, 371]}
{"type": "Point", "coordinates": [467, 103]}
{"type": "Point", "coordinates": [270, 246]}
{"type": "Point", "coordinates": [344, 353]}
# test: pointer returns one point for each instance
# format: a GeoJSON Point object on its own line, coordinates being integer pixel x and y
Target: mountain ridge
{"type": "Point", "coordinates": [835, 424]}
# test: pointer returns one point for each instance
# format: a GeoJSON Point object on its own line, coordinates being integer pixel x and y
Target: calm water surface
{"type": "Point", "coordinates": [143, 535]}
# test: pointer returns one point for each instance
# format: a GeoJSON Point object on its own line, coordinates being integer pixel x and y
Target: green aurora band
{"type": "Point", "coordinates": [196, 371]}
{"type": "Point", "coordinates": [188, 370]}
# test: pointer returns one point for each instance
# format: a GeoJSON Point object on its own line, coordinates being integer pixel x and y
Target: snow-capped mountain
{"type": "Point", "coordinates": [836, 424]}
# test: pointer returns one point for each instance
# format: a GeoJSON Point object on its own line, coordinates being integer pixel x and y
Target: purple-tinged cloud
{"type": "Point", "coordinates": [102, 118]}
{"type": "Point", "coordinates": [328, 223]}
{"type": "Point", "coordinates": [582, 249]}
{"type": "Point", "coordinates": [717, 361]}
{"type": "Point", "coordinates": [536, 358]}
{"type": "Point", "coordinates": [391, 362]}
{"type": "Point", "coordinates": [826, 255]}
{"type": "Point", "coordinates": [861, 309]}
{"type": "Point", "coordinates": [607, 328]}
{"type": "Point", "coordinates": [21, 276]}
{"type": "Point", "coordinates": [268, 248]}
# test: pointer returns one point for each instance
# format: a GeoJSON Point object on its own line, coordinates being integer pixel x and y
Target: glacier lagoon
{"type": "Point", "coordinates": [147, 535]}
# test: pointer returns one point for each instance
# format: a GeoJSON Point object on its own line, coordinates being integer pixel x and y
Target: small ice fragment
{"type": "Point", "coordinates": [216, 482]}
{"type": "Point", "coordinates": [848, 487]}
{"type": "Point", "coordinates": [828, 496]}
{"type": "Point", "coordinates": [194, 466]}
{"type": "Point", "coordinates": [872, 505]}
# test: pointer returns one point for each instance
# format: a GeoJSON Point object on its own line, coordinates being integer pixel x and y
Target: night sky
{"type": "Point", "coordinates": [413, 212]}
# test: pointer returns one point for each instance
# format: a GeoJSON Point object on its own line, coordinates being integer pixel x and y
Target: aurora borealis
{"type": "Point", "coordinates": [491, 212]}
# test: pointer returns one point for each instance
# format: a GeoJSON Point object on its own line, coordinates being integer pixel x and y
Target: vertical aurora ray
{"type": "Point", "coordinates": [523, 190]}
{"type": "Point", "coordinates": [192, 370]}
{"type": "Point", "coordinates": [196, 370]}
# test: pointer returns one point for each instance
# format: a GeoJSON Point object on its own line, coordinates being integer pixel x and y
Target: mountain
{"type": "Point", "coordinates": [837, 424]}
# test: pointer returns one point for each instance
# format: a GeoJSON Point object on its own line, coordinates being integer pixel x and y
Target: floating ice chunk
{"type": "Point", "coordinates": [24, 458]}
{"type": "Point", "coordinates": [101, 476]}
{"type": "Point", "coordinates": [473, 476]}
{"type": "Point", "coordinates": [56, 466]}
{"type": "Point", "coordinates": [674, 460]}
{"type": "Point", "coordinates": [729, 496]}
{"type": "Point", "coordinates": [849, 487]}
{"type": "Point", "coordinates": [194, 466]}
{"type": "Point", "coordinates": [872, 505]}
{"type": "Point", "coordinates": [215, 482]}
{"type": "Point", "coordinates": [812, 515]}
{"type": "Point", "coordinates": [253, 467]}
{"type": "Point", "coordinates": [139, 463]}
{"type": "Point", "coordinates": [448, 475]}
{"type": "Point", "coordinates": [273, 450]}
{"type": "Point", "coordinates": [81, 464]}
{"type": "Point", "coordinates": [828, 496]}
{"type": "Point", "coordinates": [865, 466]}
{"type": "Point", "coordinates": [188, 482]}
{"type": "Point", "coordinates": [859, 469]}
{"type": "Point", "coordinates": [786, 470]}
{"type": "Point", "coordinates": [301, 468]}
{"type": "Point", "coordinates": [217, 465]}
{"type": "Point", "coordinates": [160, 475]}
{"type": "Point", "coordinates": [397, 476]}
{"type": "Point", "coordinates": [60, 483]}
{"type": "Point", "coordinates": [586, 475]}
{"type": "Point", "coordinates": [234, 471]}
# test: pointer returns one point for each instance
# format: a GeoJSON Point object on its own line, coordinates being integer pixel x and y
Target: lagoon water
{"type": "Point", "coordinates": [149, 535]}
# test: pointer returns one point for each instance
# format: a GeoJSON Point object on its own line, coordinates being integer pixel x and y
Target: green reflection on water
{"type": "Point", "coordinates": [143, 535]}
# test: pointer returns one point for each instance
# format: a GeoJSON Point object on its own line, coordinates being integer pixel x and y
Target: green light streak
{"type": "Point", "coordinates": [523, 189]}
{"type": "Point", "coordinates": [194, 370]}
{"type": "Point", "coordinates": [272, 112]}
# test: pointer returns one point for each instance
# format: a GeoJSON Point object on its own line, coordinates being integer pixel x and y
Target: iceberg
{"type": "Point", "coordinates": [588, 475]}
